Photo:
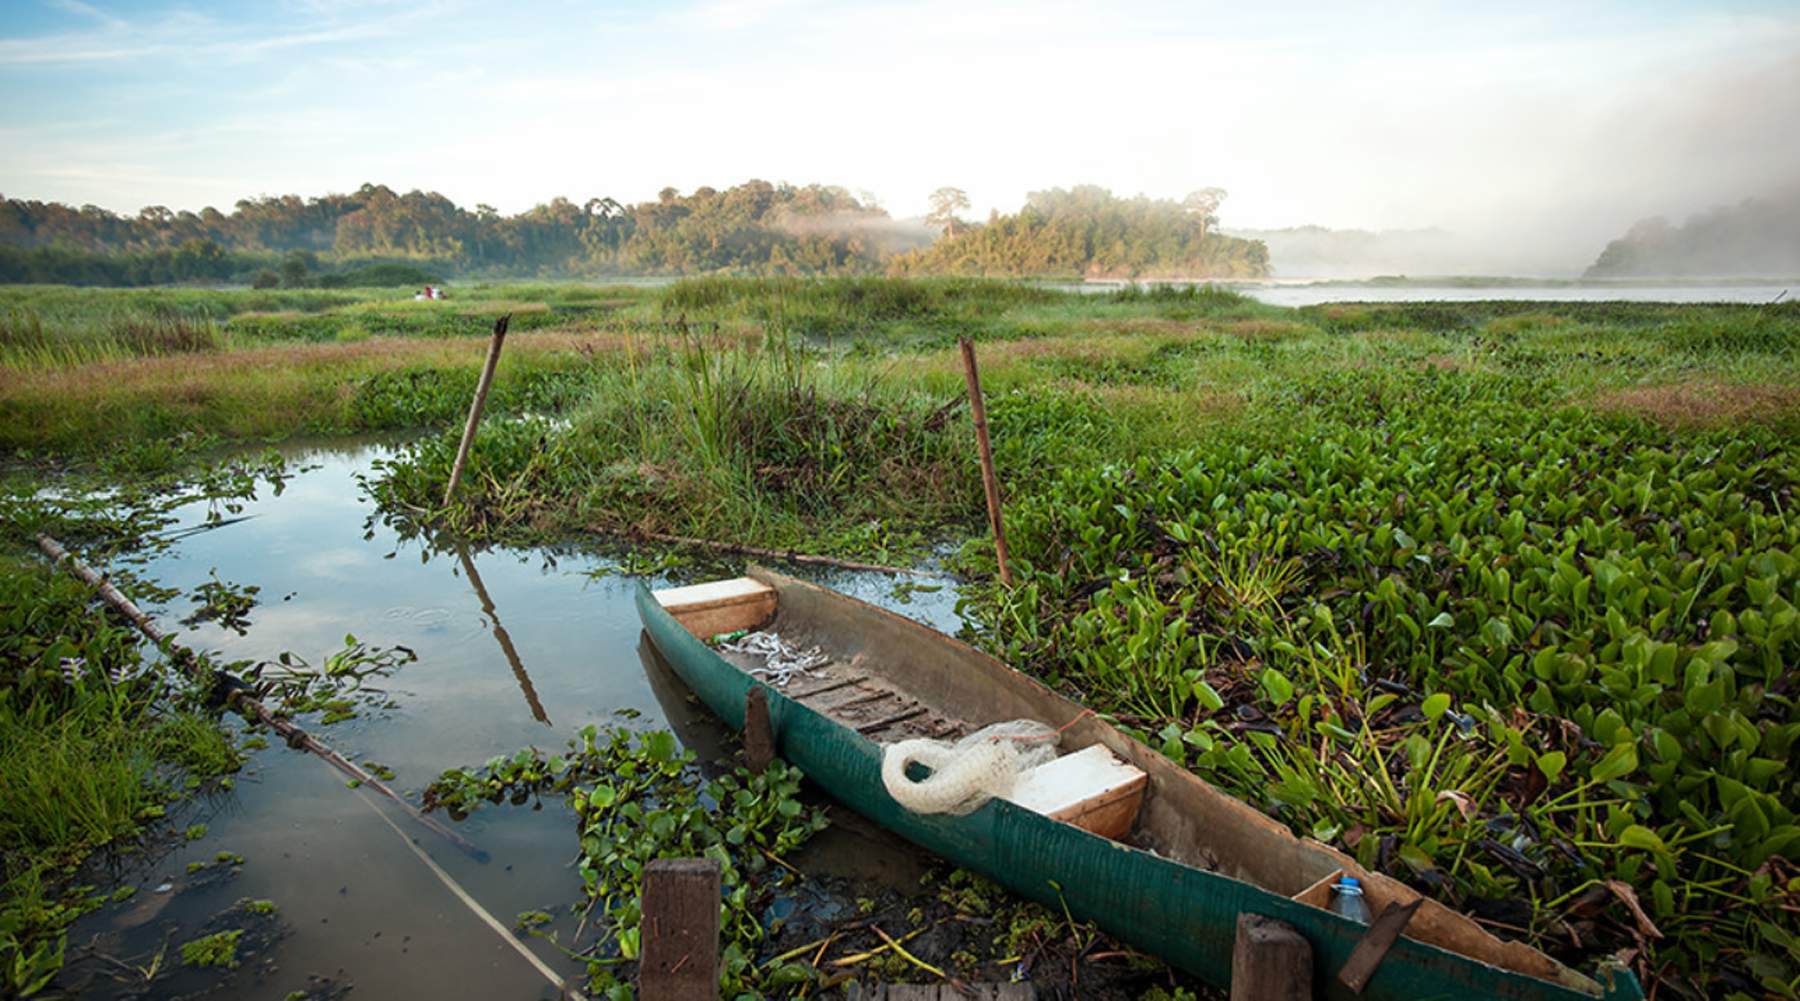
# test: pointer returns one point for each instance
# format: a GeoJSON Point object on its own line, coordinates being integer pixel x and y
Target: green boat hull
{"type": "Point", "coordinates": [1185, 915]}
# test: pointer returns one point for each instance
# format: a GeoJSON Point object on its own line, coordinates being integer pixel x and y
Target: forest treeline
{"type": "Point", "coordinates": [1089, 232]}
{"type": "Point", "coordinates": [756, 227]}
{"type": "Point", "coordinates": [1758, 236]}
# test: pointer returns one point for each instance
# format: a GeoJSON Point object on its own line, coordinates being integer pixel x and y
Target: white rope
{"type": "Point", "coordinates": [506, 935]}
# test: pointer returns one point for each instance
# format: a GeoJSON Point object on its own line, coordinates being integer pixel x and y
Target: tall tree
{"type": "Point", "coordinates": [945, 203]}
{"type": "Point", "coordinates": [1203, 206]}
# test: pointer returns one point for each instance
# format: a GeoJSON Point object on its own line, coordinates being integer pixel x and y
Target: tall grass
{"type": "Point", "coordinates": [711, 435]}
{"type": "Point", "coordinates": [25, 343]}
{"type": "Point", "coordinates": [74, 781]}
{"type": "Point", "coordinates": [276, 390]}
{"type": "Point", "coordinates": [92, 744]}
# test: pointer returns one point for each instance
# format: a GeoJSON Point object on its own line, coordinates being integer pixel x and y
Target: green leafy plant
{"type": "Point", "coordinates": [218, 949]}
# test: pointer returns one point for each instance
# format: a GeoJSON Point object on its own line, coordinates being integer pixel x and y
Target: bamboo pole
{"type": "Point", "coordinates": [990, 483]}
{"type": "Point", "coordinates": [481, 392]}
{"type": "Point", "coordinates": [238, 694]}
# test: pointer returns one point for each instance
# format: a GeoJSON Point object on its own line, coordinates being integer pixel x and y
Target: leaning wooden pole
{"type": "Point", "coordinates": [989, 482]}
{"type": "Point", "coordinates": [238, 694]}
{"type": "Point", "coordinates": [481, 392]}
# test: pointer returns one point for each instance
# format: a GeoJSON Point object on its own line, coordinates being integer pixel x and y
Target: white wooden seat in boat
{"type": "Point", "coordinates": [1090, 788]}
{"type": "Point", "coordinates": [719, 606]}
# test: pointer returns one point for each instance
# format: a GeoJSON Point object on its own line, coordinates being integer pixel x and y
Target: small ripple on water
{"type": "Point", "coordinates": [435, 620]}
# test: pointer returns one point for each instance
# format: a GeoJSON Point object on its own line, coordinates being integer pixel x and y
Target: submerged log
{"type": "Point", "coordinates": [238, 694]}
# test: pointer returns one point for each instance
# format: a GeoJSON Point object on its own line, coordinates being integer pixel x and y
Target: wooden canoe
{"type": "Point", "coordinates": [1193, 860]}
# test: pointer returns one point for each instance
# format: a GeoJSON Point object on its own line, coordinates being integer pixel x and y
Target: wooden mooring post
{"type": "Point", "coordinates": [759, 734]}
{"type": "Point", "coordinates": [990, 483]}
{"type": "Point", "coordinates": [1271, 961]}
{"type": "Point", "coordinates": [680, 928]}
{"type": "Point", "coordinates": [481, 392]}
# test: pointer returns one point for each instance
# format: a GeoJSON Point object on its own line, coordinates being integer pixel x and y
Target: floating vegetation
{"type": "Point", "coordinates": [336, 687]}
{"type": "Point", "coordinates": [638, 797]}
{"type": "Point", "coordinates": [1548, 683]}
{"type": "Point", "coordinates": [217, 949]}
{"type": "Point", "coordinates": [227, 604]}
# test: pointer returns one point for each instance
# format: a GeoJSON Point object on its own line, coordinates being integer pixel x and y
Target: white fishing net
{"type": "Point", "coordinates": [971, 771]}
{"type": "Point", "coordinates": [783, 662]}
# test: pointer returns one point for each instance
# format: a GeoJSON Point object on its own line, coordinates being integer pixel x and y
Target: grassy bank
{"type": "Point", "coordinates": [94, 745]}
{"type": "Point", "coordinates": [99, 732]}
{"type": "Point", "coordinates": [1498, 597]}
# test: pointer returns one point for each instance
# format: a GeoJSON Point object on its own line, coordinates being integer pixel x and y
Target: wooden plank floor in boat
{"type": "Point", "coordinates": [870, 706]}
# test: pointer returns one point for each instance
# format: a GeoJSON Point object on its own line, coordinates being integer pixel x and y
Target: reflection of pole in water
{"type": "Point", "coordinates": [506, 643]}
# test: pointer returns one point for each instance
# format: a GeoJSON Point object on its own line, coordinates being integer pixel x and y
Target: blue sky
{"type": "Point", "coordinates": [1575, 116]}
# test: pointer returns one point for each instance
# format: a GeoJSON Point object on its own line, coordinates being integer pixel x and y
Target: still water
{"type": "Point", "coordinates": [1312, 295]}
{"type": "Point", "coordinates": [516, 648]}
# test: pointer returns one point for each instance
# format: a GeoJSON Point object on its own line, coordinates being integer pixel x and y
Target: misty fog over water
{"type": "Point", "coordinates": [1309, 295]}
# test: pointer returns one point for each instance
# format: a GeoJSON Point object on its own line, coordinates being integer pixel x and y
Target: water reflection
{"type": "Point", "coordinates": [691, 722]}
{"type": "Point", "coordinates": [354, 904]}
{"type": "Point", "coordinates": [500, 636]}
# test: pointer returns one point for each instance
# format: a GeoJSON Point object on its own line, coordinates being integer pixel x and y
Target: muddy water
{"type": "Point", "coordinates": [515, 648]}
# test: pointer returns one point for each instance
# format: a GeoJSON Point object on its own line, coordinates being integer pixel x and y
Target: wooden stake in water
{"type": "Point", "coordinates": [481, 391]}
{"type": "Point", "coordinates": [680, 929]}
{"type": "Point", "coordinates": [989, 482]}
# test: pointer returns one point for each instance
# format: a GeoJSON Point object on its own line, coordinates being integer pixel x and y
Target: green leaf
{"type": "Point", "coordinates": [1435, 706]}
{"type": "Point", "coordinates": [1443, 620]}
{"type": "Point", "coordinates": [1198, 738]}
{"type": "Point", "coordinates": [1551, 764]}
{"type": "Point", "coordinates": [1209, 699]}
{"type": "Point", "coordinates": [1622, 760]}
{"type": "Point", "coordinates": [659, 745]}
{"type": "Point", "coordinates": [1638, 836]}
{"type": "Point", "coordinates": [1277, 686]}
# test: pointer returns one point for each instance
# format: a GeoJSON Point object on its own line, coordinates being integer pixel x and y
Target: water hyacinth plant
{"type": "Point", "coordinates": [1549, 683]}
{"type": "Point", "coordinates": [640, 797]}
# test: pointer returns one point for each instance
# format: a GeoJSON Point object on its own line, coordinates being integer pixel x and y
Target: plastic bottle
{"type": "Point", "coordinates": [1347, 900]}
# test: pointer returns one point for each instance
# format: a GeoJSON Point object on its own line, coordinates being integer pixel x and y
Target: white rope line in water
{"type": "Point", "coordinates": [783, 663]}
{"type": "Point", "coordinates": [506, 935]}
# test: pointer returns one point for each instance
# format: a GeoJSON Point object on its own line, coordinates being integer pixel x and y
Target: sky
{"type": "Point", "coordinates": [1568, 121]}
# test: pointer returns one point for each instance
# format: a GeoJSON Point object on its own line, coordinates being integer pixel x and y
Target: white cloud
{"type": "Point", "coordinates": [1571, 122]}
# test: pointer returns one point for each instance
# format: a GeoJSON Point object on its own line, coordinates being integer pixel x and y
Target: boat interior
{"type": "Point", "coordinates": [891, 679]}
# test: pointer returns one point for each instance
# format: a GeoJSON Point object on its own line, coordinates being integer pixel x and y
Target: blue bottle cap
{"type": "Point", "coordinates": [1349, 881]}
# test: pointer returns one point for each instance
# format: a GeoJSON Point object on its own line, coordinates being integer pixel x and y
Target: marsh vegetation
{"type": "Point", "coordinates": [1496, 596]}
